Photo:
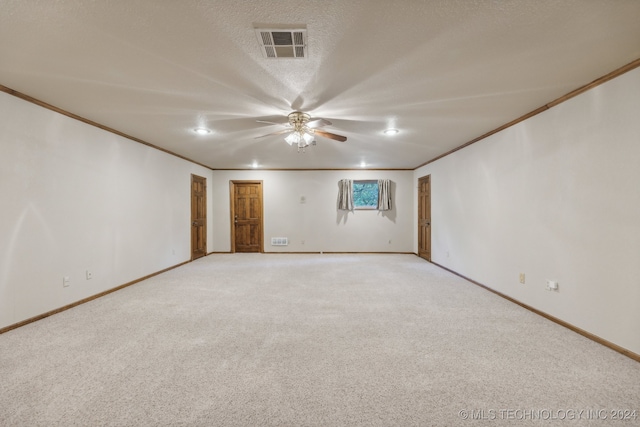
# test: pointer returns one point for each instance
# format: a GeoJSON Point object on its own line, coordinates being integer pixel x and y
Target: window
{"type": "Point", "coordinates": [365, 194]}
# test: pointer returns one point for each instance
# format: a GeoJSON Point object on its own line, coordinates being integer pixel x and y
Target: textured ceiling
{"type": "Point", "coordinates": [443, 72]}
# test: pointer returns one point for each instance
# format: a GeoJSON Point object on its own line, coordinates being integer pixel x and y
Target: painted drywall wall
{"type": "Point", "coordinates": [314, 224]}
{"type": "Point", "coordinates": [77, 198]}
{"type": "Point", "coordinates": [555, 197]}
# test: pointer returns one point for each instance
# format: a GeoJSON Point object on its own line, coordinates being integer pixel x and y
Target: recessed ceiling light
{"type": "Point", "coordinates": [391, 131]}
{"type": "Point", "coordinates": [202, 131]}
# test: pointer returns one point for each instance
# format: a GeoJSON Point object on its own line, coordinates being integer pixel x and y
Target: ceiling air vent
{"type": "Point", "coordinates": [281, 43]}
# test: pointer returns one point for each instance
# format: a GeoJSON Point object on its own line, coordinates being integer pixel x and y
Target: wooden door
{"type": "Point", "coordinates": [198, 217]}
{"type": "Point", "coordinates": [424, 217]}
{"type": "Point", "coordinates": [246, 216]}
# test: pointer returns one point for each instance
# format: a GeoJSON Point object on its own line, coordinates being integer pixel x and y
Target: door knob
{"type": "Point", "coordinates": [194, 223]}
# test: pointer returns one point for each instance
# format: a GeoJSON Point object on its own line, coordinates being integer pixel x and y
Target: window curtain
{"type": "Point", "coordinates": [345, 195]}
{"type": "Point", "coordinates": [384, 195]}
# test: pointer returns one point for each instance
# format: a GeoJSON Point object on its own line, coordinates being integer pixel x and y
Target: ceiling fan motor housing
{"type": "Point", "coordinates": [298, 119]}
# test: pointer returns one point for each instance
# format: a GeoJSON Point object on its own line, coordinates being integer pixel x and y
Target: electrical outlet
{"type": "Point", "coordinates": [552, 285]}
{"type": "Point", "coordinates": [522, 278]}
{"type": "Point", "coordinates": [89, 275]}
{"type": "Point", "coordinates": [66, 281]}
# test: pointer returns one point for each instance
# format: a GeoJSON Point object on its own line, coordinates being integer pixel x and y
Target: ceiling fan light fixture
{"type": "Point", "coordinates": [292, 138]}
{"type": "Point", "coordinates": [307, 138]}
{"type": "Point", "coordinates": [391, 131]}
{"type": "Point", "coordinates": [301, 135]}
{"type": "Point", "coordinates": [299, 138]}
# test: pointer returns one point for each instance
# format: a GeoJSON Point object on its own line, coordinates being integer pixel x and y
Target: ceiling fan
{"type": "Point", "coordinates": [302, 130]}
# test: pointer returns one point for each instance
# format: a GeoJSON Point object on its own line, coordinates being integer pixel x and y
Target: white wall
{"type": "Point", "coordinates": [317, 222]}
{"type": "Point", "coordinates": [555, 197]}
{"type": "Point", "coordinates": [75, 197]}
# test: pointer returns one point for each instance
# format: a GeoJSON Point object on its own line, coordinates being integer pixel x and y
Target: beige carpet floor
{"type": "Point", "coordinates": [309, 340]}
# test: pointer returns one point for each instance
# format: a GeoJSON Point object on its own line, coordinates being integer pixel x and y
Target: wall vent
{"type": "Point", "coordinates": [282, 43]}
{"type": "Point", "coordinates": [279, 241]}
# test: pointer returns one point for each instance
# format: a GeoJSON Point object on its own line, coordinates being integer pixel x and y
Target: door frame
{"type": "Point", "coordinates": [204, 179]}
{"type": "Point", "coordinates": [419, 209]}
{"type": "Point", "coordinates": [232, 208]}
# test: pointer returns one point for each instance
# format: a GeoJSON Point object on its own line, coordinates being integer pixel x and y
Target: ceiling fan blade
{"type": "Point", "coordinates": [271, 123]}
{"type": "Point", "coordinates": [280, 132]}
{"type": "Point", "coordinates": [316, 123]}
{"type": "Point", "coordinates": [330, 135]}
